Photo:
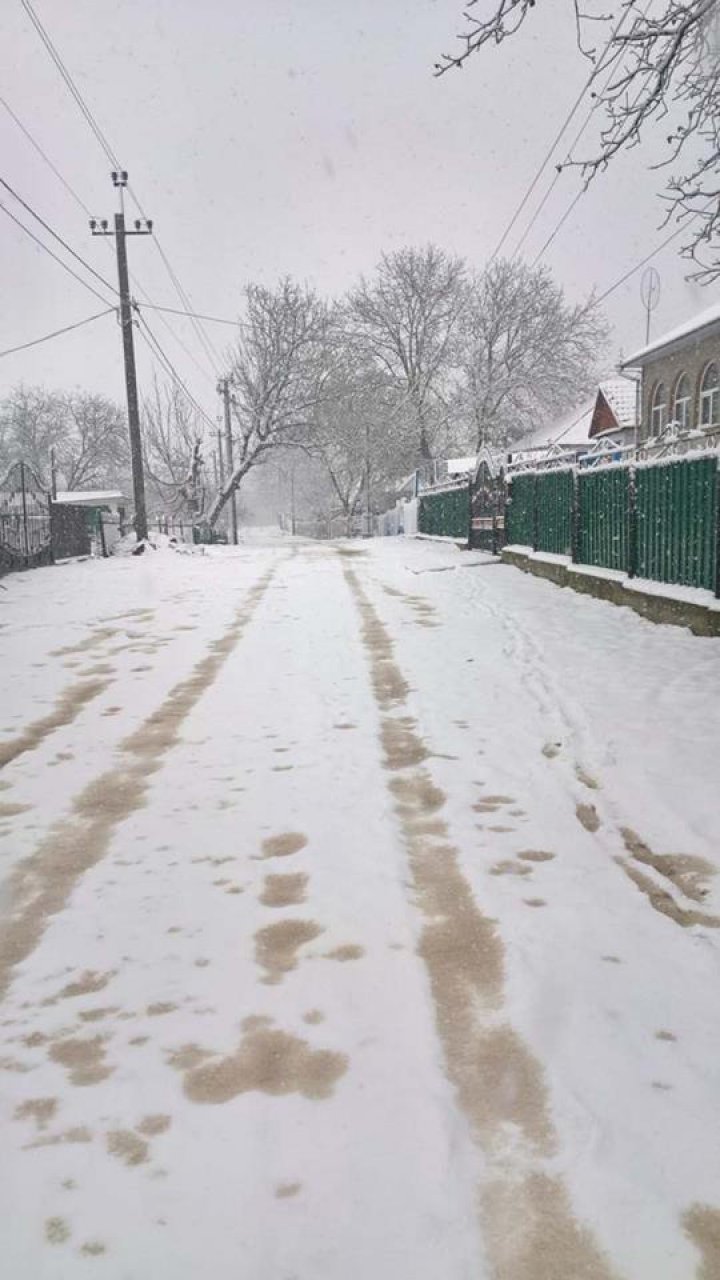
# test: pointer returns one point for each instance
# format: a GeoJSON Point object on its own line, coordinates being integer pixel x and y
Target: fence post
{"type": "Point", "coordinates": [632, 524]}
{"type": "Point", "coordinates": [717, 529]}
{"type": "Point", "coordinates": [24, 505]}
{"type": "Point", "coordinates": [50, 526]}
{"type": "Point", "coordinates": [575, 518]}
{"type": "Point", "coordinates": [470, 513]}
{"type": "Point", "coordinates": [535, 513]}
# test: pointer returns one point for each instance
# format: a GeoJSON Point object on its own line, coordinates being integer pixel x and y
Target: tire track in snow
{"type": "Point", "coordinates": [69, 705]}
{"type": "Point", "coordinates": [42, 884]}
{"type": "Point", "coordinates": [528, 1226]}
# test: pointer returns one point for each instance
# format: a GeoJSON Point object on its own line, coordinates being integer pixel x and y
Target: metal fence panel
{"type": "Point", "coordinates": [604, 518]}
{"type": "Point", "coordinates": [520, 518]}
{"type": "Point", "coordinates": [554, 498]}
{"type": "Point", "coordinates": [677, 522]}
{"type": "Point", "coordinates": [445, 514]}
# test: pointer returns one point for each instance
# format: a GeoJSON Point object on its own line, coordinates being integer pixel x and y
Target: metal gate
{"type": "Point", "coordinates": [487, 510]}
{"type": "Point", "coordinates": [24, 520]}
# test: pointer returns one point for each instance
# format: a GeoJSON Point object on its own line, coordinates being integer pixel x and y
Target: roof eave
{"type": "Point", "coordinates": [647, 354]}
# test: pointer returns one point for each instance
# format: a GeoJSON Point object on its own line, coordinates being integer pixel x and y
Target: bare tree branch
{"type": "Point", "coordinates": [665, 67]}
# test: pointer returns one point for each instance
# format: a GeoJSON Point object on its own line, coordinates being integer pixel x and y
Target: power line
{"type": "Point", "coordinates": [56, 333]}
{"type": "Point", "coordinates": [46, 158]}
{"type": "Point", "coordinates": [578, 196]}
{"type": "Point", "coordinates": [56, 236]}
{"type": "Point", "coordinates": [138, 286]}
{"type": "Point", "coordinates": [49, 251]}
{"type": "Point", "coordinates": [559, 224]}
{"type": "Point", "coordinates": [111, 156]}
{"type": "Point", "coordinates": [151, 340]}
{"type": "Point", "coordinates": [71, 86]}
{"type": "Point", "coordinates": [658, 249]}
{"type": "Point", "coordinates": [211, 353]}
{"type": "Point", "coordinates": [174, 311]}
{"type": "Point", "coordinates": [569, 117]}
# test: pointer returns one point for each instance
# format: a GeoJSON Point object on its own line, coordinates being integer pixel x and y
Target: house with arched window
{"type": "Point", "coordinates": [680, 372]}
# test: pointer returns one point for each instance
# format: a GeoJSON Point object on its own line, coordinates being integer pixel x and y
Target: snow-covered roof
{"type": "Point", "coordinates": [621, 395]}
{"type": "Point", "coordinates": [702, 320]}
{"type": "Point", "coordinates": [572, 429]}
{"type": "Point", "coordinates": [459, 466]}
{"type": "Point", "coordinates": [89, 497]}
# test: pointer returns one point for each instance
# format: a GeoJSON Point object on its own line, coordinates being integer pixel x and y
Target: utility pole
{"type": "Point", "coordinates": [144, 228]}
{"type": "Point", "coordinates": [368, 504]}
{"type": "Point", "coordinates": [224, 390]}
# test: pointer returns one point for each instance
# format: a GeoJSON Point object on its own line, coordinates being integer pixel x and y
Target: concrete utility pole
{"type": "Point", "coordinates": [120, 178]}
{"type": "Point", "coordinates": [224, 390]}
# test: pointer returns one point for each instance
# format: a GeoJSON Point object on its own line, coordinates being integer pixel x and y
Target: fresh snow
{"type": "Point", "coordinates": [544, 714]}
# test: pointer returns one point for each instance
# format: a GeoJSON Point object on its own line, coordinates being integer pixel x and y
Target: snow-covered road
{"type": "Point", "coordinates": [359, 920]}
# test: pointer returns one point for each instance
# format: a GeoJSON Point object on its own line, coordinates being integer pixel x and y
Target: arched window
{"type": "Point", "coordinates": [681, 403]}
{"type": "Point", "coordinates": [658, 412]}
{"type": "Point", "coordinates": [710, 397]}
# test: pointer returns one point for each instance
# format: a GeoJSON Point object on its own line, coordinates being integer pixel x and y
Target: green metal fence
{"type": "Point", "coordinates": [658, 520]}
{"type": "Point", "coordinates": [445, 514]}
{"type": "Point", "coordinates": [540, 511]}
{"type": "Point", "coordinates": [677, 516]}
{"type": "Point", "coordinates": [520, 516]}
{"type": "Point", "coordinates": [554, 498]}
{"type": "Point", "coordinates": [603, 527]}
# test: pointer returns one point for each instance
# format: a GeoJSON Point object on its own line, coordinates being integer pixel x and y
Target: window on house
{"type": "Point", "coordinates": [681, 403]}
{"type": "Point", "coordinates": [658, 412]}
{"type": "Point", "coordinates": [710, 397]}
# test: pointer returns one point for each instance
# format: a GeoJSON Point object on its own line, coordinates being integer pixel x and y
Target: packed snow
{"type": "Point", "coordinates": [359, 919]}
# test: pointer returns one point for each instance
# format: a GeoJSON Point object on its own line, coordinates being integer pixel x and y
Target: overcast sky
{"type": "Point", "coordinates": [269, 136]}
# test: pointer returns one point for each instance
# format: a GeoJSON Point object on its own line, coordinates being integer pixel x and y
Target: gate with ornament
{"type": "Point", "coordinates": [24, 520]}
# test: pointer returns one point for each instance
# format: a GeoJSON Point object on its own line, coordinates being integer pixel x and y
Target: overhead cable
{"type": "Point", "coordinates": [110, 154]}
{"type": "Point", "coordinates": [51, 254]}
{"type": "Point", "coordinates": [565, 125]}
{"type": "Point", "coordinates": [70, 83]}
{"type": "Point", "coordinates": [56, 236]}
{"type": "Point", "coordinates": [9, 351]}
{"type": "Point", "coordinates": [146, 332]}
{"type": "Point", "coordinates": [33, 141]}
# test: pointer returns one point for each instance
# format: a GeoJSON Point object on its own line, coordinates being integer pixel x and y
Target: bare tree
{"type": "Point", "coordinates": [279, 366]}
{"type": "Point", "coordinates": [86, 432]}
{"type": "Point", "coordinates": [405, 318]}
{"type": "Point", "coordinates": [525, 351]}
{"type": "Point", "coordinates": [172, 440]}
{"type": "Point", "coordinates": [95, 450]}
{"type": "Point", "coordinates": [361, 431]}
{"type": "Point", "coordinates": [661, 67]}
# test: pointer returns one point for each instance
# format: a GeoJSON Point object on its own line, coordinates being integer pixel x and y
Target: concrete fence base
{"type": "Point", "coordinates": [656, 601]}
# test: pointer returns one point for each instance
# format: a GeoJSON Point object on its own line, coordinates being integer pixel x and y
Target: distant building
{"type": "Point", "coordinates": [681, 377]}
{"type": "Point", "coordinates": [609, 415]}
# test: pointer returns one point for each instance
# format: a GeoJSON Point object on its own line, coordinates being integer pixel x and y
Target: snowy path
{"type": "Point", "coordinates": [358, 921]}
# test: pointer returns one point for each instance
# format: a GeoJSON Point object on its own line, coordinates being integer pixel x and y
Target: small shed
{"type": "Point", "coordinates": [103, 511]}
